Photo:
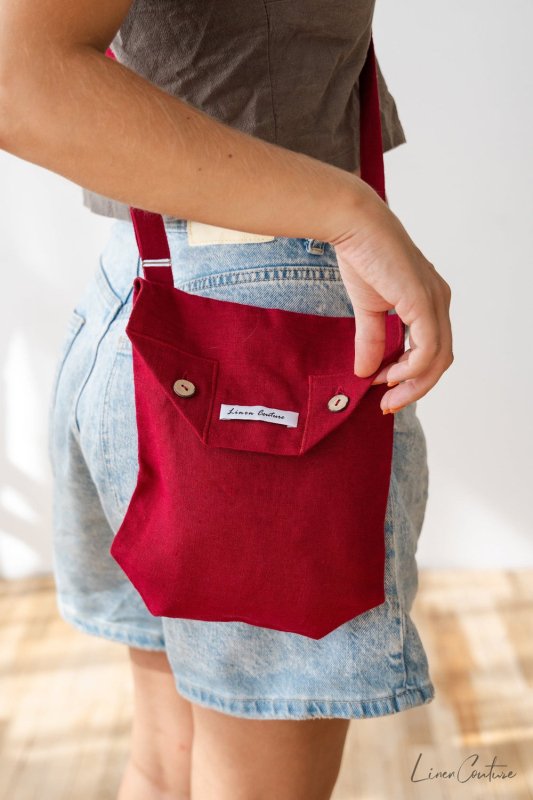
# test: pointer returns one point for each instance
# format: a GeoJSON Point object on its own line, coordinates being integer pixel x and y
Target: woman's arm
{"type": "Point", "coordinates": [69, 108]}
{"type": "Point", "coordinates": [66, 106]}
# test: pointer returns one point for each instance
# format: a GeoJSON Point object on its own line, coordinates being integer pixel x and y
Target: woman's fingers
{"type": "Point", "coordinates": [369, 341]}
{"type": "Point", "coordinates": [387, 271]}
{"type": "Point", "coordinates": [382, 376]}
{"type": "Point", "coordinates": [429, 356]}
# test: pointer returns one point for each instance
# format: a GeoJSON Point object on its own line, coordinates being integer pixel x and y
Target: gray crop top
{"type": "Point", "coordinates": [282, 70]}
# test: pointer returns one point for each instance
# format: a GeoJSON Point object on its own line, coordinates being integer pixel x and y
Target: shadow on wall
{"type": "Point", "coordinates": [45, 267]}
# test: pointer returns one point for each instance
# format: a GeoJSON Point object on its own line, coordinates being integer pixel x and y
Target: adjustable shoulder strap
{"type": "Point", "coordinates": [371, 139]}
{"type": "Point", "coordinates": [151, 239]}
{"type": "Point", "coordinates": [149, 227]}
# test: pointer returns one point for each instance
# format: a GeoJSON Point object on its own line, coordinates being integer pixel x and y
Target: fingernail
{"type": "Point", "coordinates": [393, 383]}
{"type": "Point", "coordinates": [392, 410]}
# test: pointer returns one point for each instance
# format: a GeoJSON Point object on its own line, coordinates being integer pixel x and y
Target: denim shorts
{"type": "Point", "coordinates": [374, 664]}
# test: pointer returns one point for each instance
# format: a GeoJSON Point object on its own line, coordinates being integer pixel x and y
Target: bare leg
{"type": "Point", "coordinates": [244, 759]}
{"type": "Point", "coordinates": [160, 761]}
{"type": "Point", "coordinates": [229, 758]}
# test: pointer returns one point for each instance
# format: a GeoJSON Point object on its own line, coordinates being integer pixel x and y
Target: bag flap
{"type": "Point", "coordinates": [263, 379]}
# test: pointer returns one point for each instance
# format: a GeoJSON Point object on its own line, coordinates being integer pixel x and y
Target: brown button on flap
{"type": "Point", "coordinates": [163, 365]}
{"type": "Point", "coordinates": [321, 421]}
{"type": "Point", "coordinates": [363, 398]}
{"type": "Point", "coordinates": [270, 365]}
{"type": "Point", "coordinates": [184, 388]}
{"type": "Point", "coordinates": [338, 402]}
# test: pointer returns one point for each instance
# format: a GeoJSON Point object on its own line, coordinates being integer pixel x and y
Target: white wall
{"type": "Point", "coordinates": [49, 245]}
{"type": "Point", "coordinates": [462, 77]}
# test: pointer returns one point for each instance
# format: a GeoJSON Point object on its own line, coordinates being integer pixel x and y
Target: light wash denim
{"type": "Point", "coordinates": [375, 664]}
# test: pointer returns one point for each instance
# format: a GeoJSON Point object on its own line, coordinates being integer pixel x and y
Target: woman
{"type": "Point", "coordinates": [238, 122]}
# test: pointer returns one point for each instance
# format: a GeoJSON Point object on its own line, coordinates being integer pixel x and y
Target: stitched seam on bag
{"type": "Point", "coordinates": [173, 347]}
{"type": "Point", "coordinates": [307, 418]}
{"type": "Point", "coordinates": [338, 376]}
{"type": "Point", "coordinates": [213, 363]}
{"type": "Point", "coordinates": [214, 378]}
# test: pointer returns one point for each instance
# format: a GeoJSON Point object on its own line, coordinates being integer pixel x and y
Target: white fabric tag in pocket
{"type": "Point", "coordinates": [200, 233]}
{"type": "Point", "coordinates": [260, 413]}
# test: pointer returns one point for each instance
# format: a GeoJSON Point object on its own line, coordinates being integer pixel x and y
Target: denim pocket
{"type": "Point", "coordinates": [75, 323]}
{"type": "Point", "coordinates": [309, 289]}
{"type": "Point", "coordinates": [119, 430]}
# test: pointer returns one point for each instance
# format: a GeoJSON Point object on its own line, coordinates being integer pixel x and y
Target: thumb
{"type": "Point", "coordinates": [370, 337]}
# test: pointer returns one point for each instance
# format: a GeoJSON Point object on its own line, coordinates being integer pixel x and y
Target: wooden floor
{"type": "Point", "coordinates": [65, 700]}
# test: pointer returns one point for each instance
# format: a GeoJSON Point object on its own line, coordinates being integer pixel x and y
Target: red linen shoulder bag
{"type": "Point", "coordinates": [263, 480]}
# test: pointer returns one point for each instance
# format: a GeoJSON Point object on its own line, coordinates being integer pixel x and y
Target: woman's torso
{"type": "Point", "coordinates": [285, 71]}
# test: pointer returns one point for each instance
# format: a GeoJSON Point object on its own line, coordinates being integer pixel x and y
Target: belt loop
{"type": "Point", "coordinates": [314, 246]}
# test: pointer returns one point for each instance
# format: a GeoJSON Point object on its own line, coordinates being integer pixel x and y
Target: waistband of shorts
{"type": "Point", "coordinates": [217, 234]}
{"type": "Point", "coordinates": [181, 224]}
{"type": "Point", "coordinates": [175, 224]}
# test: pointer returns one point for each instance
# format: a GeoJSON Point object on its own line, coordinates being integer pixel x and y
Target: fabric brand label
{"type": "Point", "coordinates": [200, 233]}
{"type": "Point", "coordinates": [260, 413]}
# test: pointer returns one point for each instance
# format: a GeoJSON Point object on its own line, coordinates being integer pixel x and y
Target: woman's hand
{"type": "Point", "coordinates": [383, 269]}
